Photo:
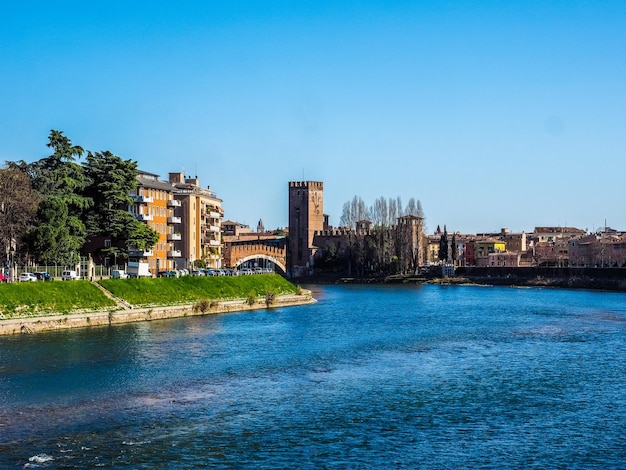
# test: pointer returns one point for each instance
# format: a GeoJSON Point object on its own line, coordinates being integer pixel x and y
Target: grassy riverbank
{"type": "Point", "coordinates": [188, 289]}
{"type": "Point", "coordinates": [26, 299]}
{"type": "Point", "coordinates": [22, 300]}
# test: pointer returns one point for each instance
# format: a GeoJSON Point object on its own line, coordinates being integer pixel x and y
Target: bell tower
{"type": "Point", "coordinates": [306, 216]}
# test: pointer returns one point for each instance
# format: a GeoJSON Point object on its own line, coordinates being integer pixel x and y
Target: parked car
{"type": "Point", "coordinates": [245, 272]}
{"type": "Point", "coordinates": [43, 276]}
{"type": "Point", "coordinates": [3, 278]}
{"type": "Point", "coordinates": [168, 274]}
{"type": "Point", "coordinates": [27, 277]}
{"type": "Point", "coordinates": [119, 274]}
{"type": "Point", "coordinates": [69, 275]}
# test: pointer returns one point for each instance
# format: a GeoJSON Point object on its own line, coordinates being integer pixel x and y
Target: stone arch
{"type": "Point", "coordinates": [280, 264]}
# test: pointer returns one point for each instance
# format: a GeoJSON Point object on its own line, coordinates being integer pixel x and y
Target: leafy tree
{"type": "Point", "coordinates": [58, 237]}
{"type": "Point", "coordinates": [111, 179]}
{"type": "Point", "coordinates": [142, 237]}
{"type": "Point", "coordinates": [18, 207]}
{"type": "Point", "coordinates": [199, 264]}
{"type": "Point", "coordinates": [60, 182]}
{"type": "Point", "coordinates": [455, 248]}
{"type": "Point", "coordinates": [443, 245]}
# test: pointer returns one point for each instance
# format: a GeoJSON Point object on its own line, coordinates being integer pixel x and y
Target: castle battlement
{"type": "Point", "coordinates": [307, 184]}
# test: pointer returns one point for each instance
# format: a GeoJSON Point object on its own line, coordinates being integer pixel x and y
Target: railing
{"type": "Point", "coordinates": [174, 237]}
{"type": "Point", "coordinates": [140, 253]}
{"type": "Point", "coordinates": [174, 220]}
{"type": "Point", "coordinates": [143, 199]}
{"type": "Point", "coordinates": [174, 254]}
{"type": "Point", "coordinates": [173, 203]}
{"type": "Point", "coordinates": [144, 217]}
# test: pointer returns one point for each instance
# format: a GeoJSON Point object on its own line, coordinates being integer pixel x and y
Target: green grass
{"type": "Point", "coordinates": [57, 297]}
{"type": "Point", "coordinates": [188, 289]}
{"type": "Point", "coordinates": [44, 298]}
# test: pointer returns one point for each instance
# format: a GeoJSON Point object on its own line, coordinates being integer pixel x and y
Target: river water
{"type": "Point", "coordinates": [368, 377]}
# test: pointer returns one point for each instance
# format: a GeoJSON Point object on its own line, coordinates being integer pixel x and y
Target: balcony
{"type": "Point", "coordinates": [143, 199]}
{"type": "Point", "coordinates": [214, 242]}
{"type": "Point", "coordinates": [174, 237]}
{"type": "Point", "coordinates": [173, 203]}
{"type": "Point", "coordinates": [134, 253]}
{"type": "Point", "coordinates": [214, 228]}
{"type": "Point", "coordinates": [174, 254]}
{"type": "Point", "coordinates": [214, 215]}
{"type": "Point", "coordinates": [144, 217]}
{"type": "Point", "coordinates": [174, 220]}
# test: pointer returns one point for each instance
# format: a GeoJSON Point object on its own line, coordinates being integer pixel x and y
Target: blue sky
{"type": "Point", "coordinates": [494, 114]}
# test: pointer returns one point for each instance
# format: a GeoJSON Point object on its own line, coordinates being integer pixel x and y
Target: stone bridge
{"type": "Point", "coordinates": [238, 251]}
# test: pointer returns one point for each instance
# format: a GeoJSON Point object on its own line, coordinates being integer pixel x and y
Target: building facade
{"type": "Point", "coordinates": [199, 214]}
{"type": "Point", "coordinates": [153, 204]}
{"type": "Point", "coordinates": [306, 217]}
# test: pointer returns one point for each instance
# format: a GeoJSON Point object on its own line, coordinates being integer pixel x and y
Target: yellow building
{"type": "Point", "coordinates": [200, 232]}
{"type": "Point", "coordinates": [485, 247]}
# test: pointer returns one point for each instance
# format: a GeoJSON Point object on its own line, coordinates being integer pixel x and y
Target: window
{"type": "Point", "coordinates": [107, 243]}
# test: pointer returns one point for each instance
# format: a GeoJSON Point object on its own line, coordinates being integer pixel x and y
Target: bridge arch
{"type": "Point", "coordinates": [277, 262]}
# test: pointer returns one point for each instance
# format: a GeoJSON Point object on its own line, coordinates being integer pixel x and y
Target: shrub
{"type": "Point", "coordinates": [251, 298]}
{"type": "Point", "coordinates": [270, 298]}
{"type": "Point", "coordinates": [202, 306]}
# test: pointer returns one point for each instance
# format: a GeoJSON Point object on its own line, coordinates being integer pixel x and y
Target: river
{"type": "Point", "coordinates": [368, 377]}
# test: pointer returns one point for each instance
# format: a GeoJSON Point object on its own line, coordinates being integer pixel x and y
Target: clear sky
{"type": "Point", "coordinates": [494, 114]}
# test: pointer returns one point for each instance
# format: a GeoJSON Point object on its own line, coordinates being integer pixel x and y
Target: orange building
{"type": "Point", "coordinates": [153, 204]}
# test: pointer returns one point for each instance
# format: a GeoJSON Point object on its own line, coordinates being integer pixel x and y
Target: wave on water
{"type": "Point", "coordinates": [38, 459]}
{"type": "Point", "coordinates": [136, 443]}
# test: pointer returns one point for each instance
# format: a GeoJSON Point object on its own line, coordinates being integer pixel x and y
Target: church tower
{"type": "Point", "coordinates": [306, 216]}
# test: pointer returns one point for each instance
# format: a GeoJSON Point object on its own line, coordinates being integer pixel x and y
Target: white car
{"type": "Point", "coordinates": [119, 274]}
{"type": "Point", "coordinates": [27, 277]}
{"type": "Point", "coordinates": [69, 275]}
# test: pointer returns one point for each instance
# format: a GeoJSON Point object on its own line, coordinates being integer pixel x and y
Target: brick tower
{"type": "Point", "coordinates": [306, 216]}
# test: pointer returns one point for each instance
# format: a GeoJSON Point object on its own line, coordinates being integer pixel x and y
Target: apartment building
{"type": "Point", "coordinates": [153, 204]}
{"type": "Point", "coordinates": [200, 214]}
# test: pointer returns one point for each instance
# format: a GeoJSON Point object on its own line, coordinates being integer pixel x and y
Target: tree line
{"type": "Point", "coordinates": [383, 213]}
{"type": "Point", "coordinates": [50, 208]}
{"type": "Point", "coordinates": [387, 248]}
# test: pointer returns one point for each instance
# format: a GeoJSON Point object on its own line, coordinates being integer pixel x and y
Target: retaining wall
{"type": "Point", "coordinates": [82, 320]}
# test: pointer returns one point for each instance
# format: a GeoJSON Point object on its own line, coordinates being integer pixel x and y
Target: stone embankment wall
{"type": "Point", "coordinates": [82, 320]}
{"type": "Point", "coordinates": [570, 277]}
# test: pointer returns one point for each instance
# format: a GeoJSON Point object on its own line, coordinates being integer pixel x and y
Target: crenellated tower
{"type": "Point", "coordinates": [306, 216]}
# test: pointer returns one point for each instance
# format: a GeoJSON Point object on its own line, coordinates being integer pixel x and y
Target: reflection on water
{"type": "Point", "coordinates": [368, 377]}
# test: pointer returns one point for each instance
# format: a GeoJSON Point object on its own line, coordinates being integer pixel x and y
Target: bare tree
{"type": "Point", "coordinates": [18, 207]}
{"type": "Point", "coordinates": [353, 211]}
{"type": "Point", "coordinates": [393, 211]}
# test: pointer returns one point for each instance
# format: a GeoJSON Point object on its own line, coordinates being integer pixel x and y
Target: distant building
{"type": "Point", "coordinates": [230, 228]}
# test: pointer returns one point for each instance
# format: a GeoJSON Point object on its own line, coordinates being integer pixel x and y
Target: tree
{"type": "Point", "coordinates": [352, 212]}
{"type": "Point", "coordinates": [455, 249]}
{"type": "Point", "coordinates": [58, 237]}
{"type": "Point", "coordinates": [142, 237]}
{"type": "Point", "coordinates": [18, 207]}
{"type": "Point", "coordinates": [443, 246]}
{"type": "Point", "coordinates": [60, 183]}
{"type": "Point", "coordinates": [111, 180]}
